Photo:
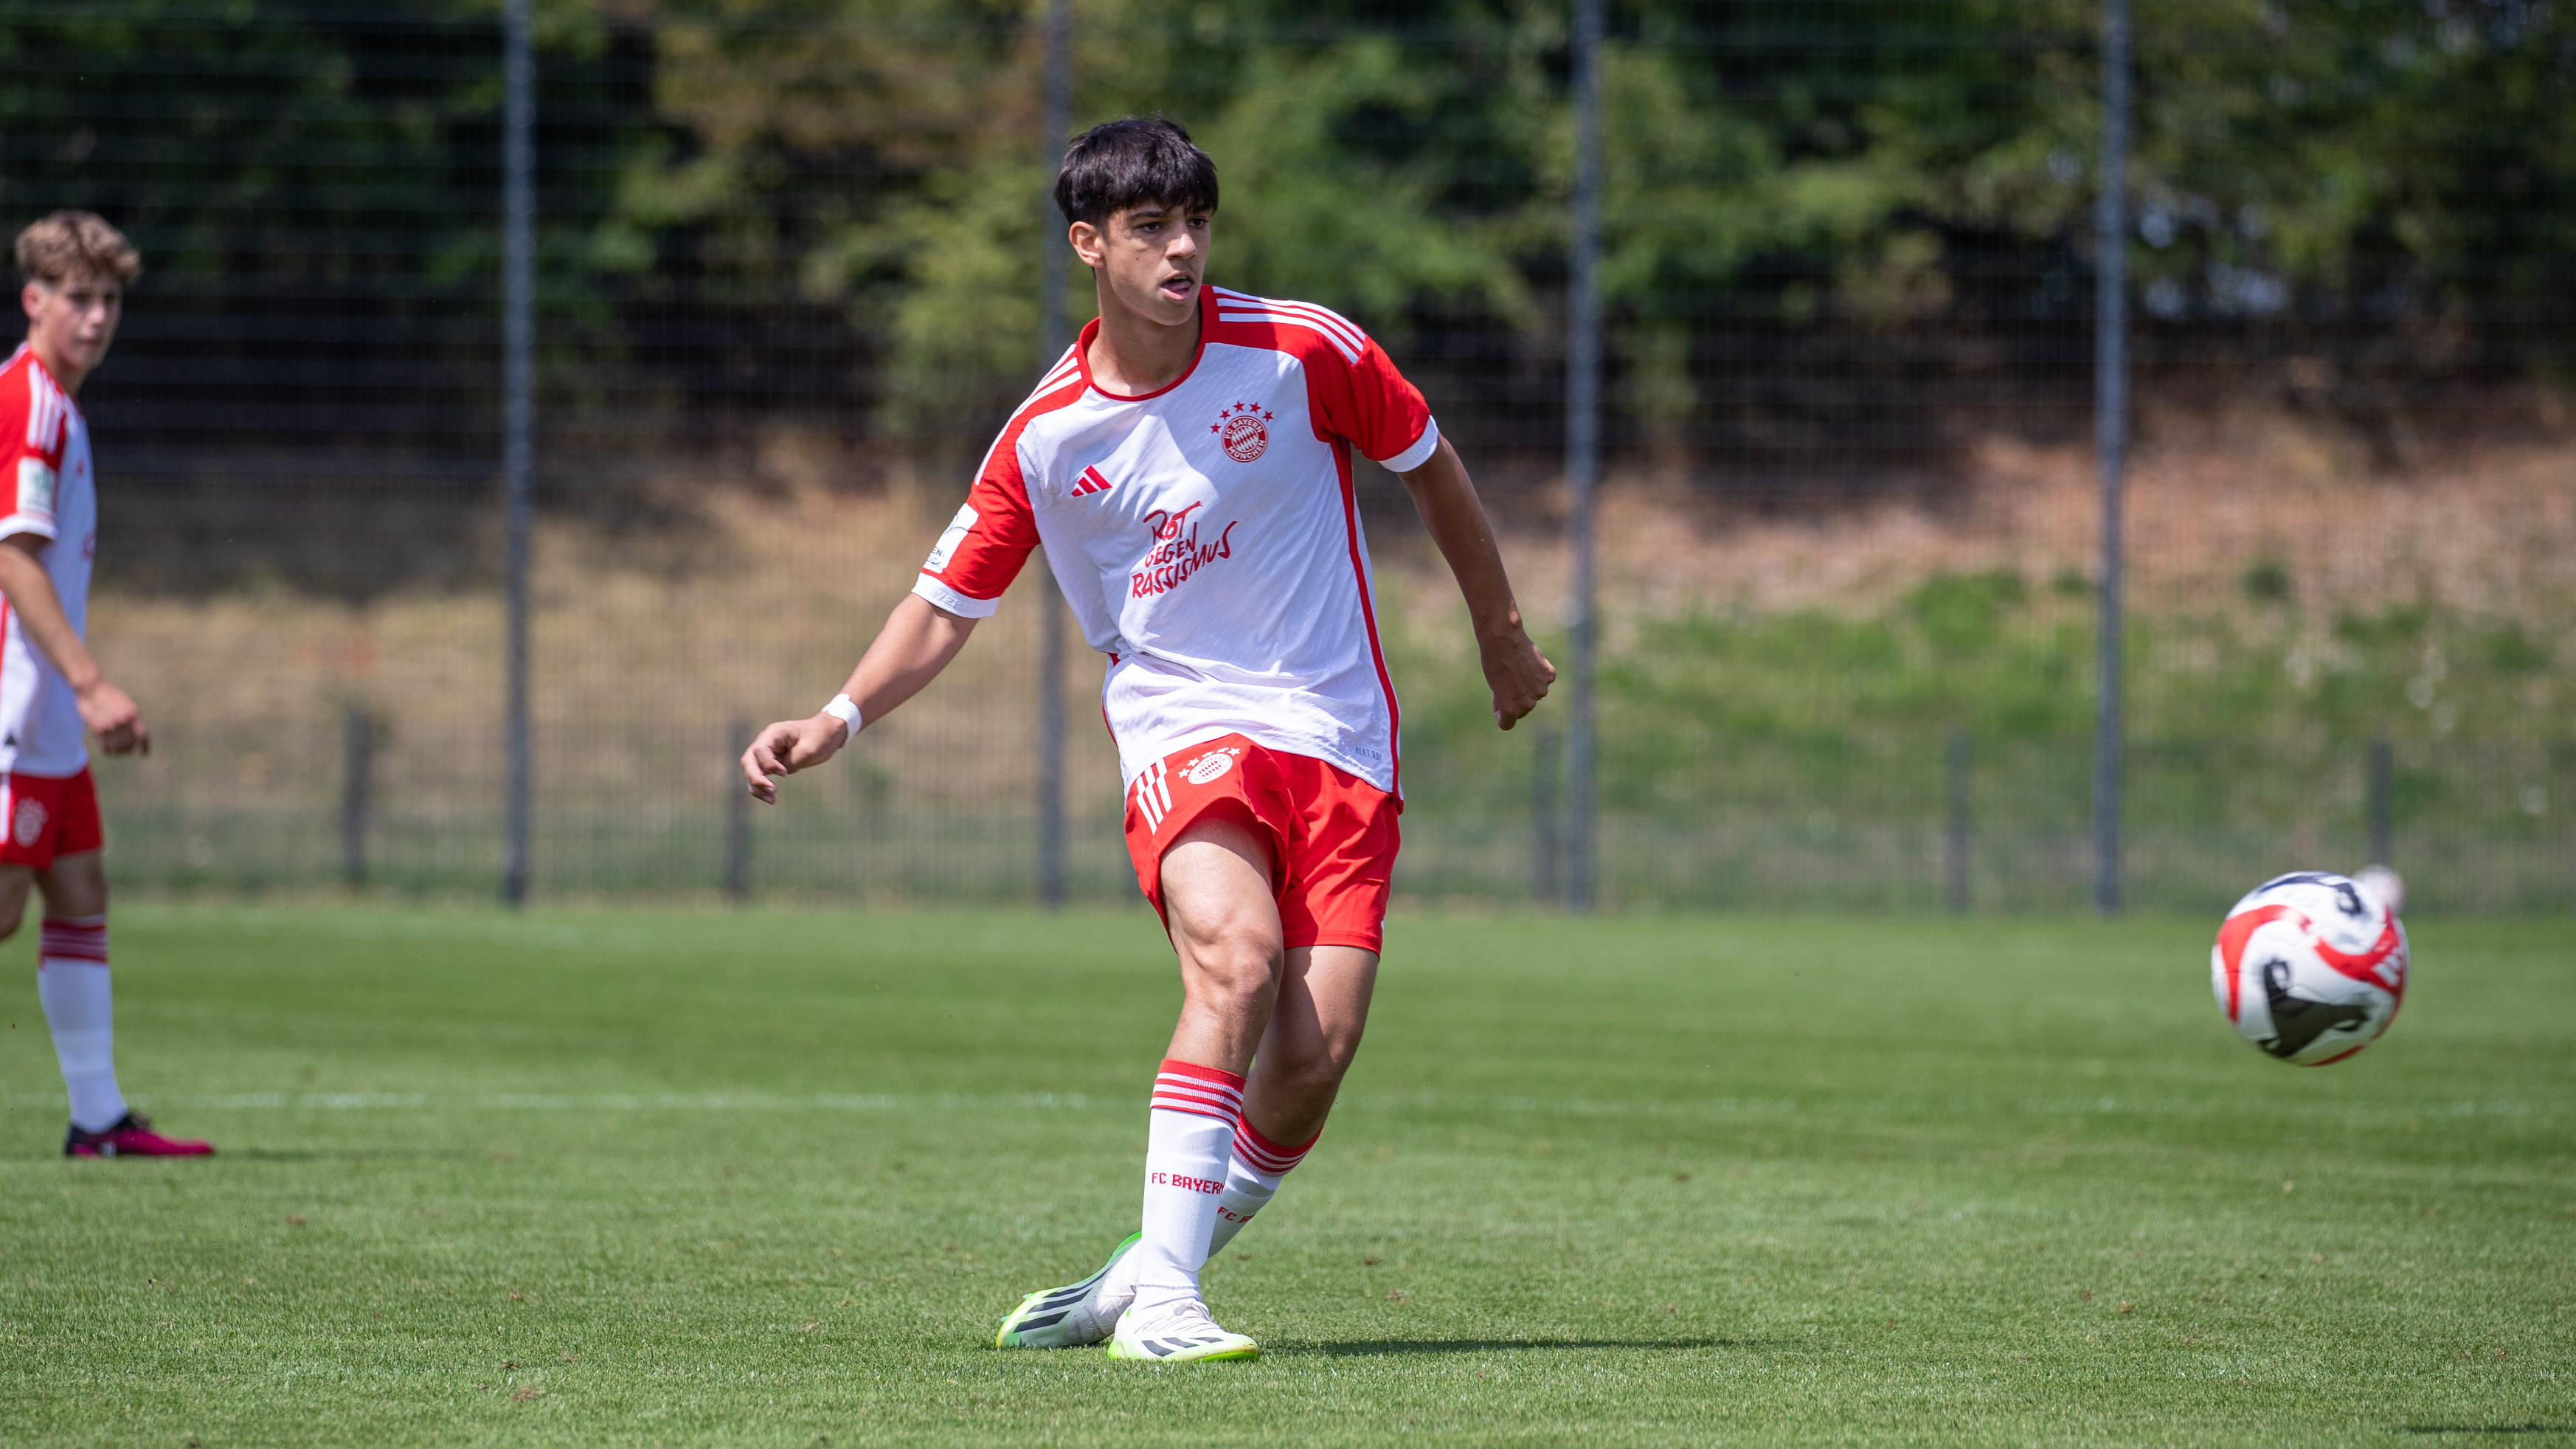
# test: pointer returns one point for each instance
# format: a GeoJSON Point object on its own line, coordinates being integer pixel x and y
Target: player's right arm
{"type": "Point", "coordinates": [31, 461]}
{"type": "Point", "coordinates": [961, 582]}
{"type": "Point", "coordinates": [106, 709]}
{"type": "Point", "coordinates": [918, 640]}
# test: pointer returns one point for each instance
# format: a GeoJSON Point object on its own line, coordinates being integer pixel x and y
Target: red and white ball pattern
{"type": "Point", "coordinates": [2310, 967]}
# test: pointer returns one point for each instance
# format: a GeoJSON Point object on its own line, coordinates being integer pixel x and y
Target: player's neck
{"type": "Point", "coordinates": [1134, 354]}
{"type": "Point", "coordinates": [66, 377]}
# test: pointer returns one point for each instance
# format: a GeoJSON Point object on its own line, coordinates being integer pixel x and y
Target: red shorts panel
{"type": "Point", "coordinates": [1333, 835]}
{"type": "Point", "coordinates": [47, 816]}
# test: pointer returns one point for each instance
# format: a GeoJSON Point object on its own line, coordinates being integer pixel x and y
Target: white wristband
{"type": "Point", "coordinates": [847, 713]}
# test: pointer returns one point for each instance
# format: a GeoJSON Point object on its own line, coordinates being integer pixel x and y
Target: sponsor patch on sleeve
{"type": "Point", "coordinates": [958, 528]}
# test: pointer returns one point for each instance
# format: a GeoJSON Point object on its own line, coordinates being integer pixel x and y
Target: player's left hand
{"type": "Point", "coordinates": [1518, 673]}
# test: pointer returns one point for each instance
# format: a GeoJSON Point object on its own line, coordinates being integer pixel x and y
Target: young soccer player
{"type": "Point", "coordinates": [1187, 466]}
{"type": "Point", "coordinates": [76, 268]}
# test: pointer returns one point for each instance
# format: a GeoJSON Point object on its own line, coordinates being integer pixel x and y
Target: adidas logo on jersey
{"type": "Point", "coordinates": [1091, 481]}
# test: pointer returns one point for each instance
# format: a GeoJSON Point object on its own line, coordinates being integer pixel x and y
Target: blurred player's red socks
{"type": "Point", "coordinates": [1254, 1174]}
{"type": "Point", "coordinates": [72, 981]}
{"type": "Point", "coordinates": [1186, 1149]}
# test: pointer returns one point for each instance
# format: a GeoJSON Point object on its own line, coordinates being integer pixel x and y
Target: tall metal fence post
{"type": "Point", "coordinates": [1546, 849]}
{"type": "Point", "coordinates": [1955, 856]}
{"type": "Point", "coordinates": [518, 422]}
{"type": "Point", "coordinates": [737, 861]}
{"type": "Point", "coordinates": [357, 777]}
{"type": "Point", "coordinates": [1055, 118]}
{"type": "Point", "coordinates": [1583, 456]}
{"type": "Point", "coordinates": [2383, 809]}
{"type": "Point", "coordinates": [2110, 423]}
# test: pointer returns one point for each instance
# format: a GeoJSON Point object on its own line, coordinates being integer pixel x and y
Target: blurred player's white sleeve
{"type": "Point", "coordinates": [2385, 884]}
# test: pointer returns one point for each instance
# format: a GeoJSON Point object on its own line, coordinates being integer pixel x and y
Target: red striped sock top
{"type": "Point", "coordinates": [1188, 1087]}
{"type": "Point", "coordinates": [1266, 1155]}
{"type": "Point", "coordinates": [74, 941]}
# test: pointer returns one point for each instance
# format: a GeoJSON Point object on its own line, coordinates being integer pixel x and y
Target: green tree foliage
{"type": "Point", "coordinates": [2404, 165]}
{"type": "Point", "coordinates": [2296, 157]}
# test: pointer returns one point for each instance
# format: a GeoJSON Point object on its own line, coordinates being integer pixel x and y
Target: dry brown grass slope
{"type": "Point", "coordinates": [645, 656]}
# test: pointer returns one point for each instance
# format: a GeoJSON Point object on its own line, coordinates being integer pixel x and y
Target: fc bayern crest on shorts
{"type": "Point", "coordinates": [1209, 767]}
{"type": "Point", "coordinates": [29, 821]}
{"type": "Point", "coordinates": [1243, 430]}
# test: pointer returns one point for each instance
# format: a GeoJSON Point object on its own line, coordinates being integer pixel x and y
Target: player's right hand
{"type": "Point", "coordinates": [110, 714]}
{"type": "Point", "coordinates": [787, 747]}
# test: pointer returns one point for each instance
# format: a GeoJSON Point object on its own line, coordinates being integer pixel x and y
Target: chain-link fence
{"type": "Point", "coordinates": [787, 286]}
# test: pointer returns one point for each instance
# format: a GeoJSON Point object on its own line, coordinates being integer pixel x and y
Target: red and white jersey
{"type": "Point", "coordinates": [44, 467]}
{"type": "Point", "coordinates": [1206, 535]}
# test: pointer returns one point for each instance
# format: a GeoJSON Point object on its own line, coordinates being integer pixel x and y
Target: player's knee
{"type": "Point", "coordinates": [1309, 1076]}
{"type": "Point", "coordinates": [1235, 967]}
{"type": "Point", "coordinates": [1312, 1067]}
{"type": "Point", "coordinates": [10, 919]}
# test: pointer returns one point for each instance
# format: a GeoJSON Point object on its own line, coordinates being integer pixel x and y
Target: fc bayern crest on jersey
{"type": "Point", "coordinates": [1244, 430]}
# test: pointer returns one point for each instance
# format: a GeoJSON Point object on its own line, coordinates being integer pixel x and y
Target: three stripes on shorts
{"type": "Point", "coordinates": [1154, 794]}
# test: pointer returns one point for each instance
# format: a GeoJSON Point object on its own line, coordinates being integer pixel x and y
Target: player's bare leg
{"type": "Point", "coordinates": [1225, 929]}
{"type": "Point", "coordinates": [1317, 1008]}
{"type": "Point", "coordinates": [1316, 1019]}
{"type": "Point", "coordinates": [72, 981]}
{"type": "Point", "coordinates": [1216, 887]}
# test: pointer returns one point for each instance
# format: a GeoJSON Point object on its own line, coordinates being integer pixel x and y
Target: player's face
{"type": "Point", "coordinates": [1152, 257]}
{"type": "Point", "coordinates": [73, 323]}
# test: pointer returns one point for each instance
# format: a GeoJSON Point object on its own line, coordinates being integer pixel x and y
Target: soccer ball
{"type": "Point", "coordinates": [2310, 967]}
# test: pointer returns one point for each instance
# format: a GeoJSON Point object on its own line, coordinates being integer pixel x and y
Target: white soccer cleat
{"type": "Point", "coordinates": [1183, 1335]}
{"type": "Point", "coordinates": [1074, 1315]}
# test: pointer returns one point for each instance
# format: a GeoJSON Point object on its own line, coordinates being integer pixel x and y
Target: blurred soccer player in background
{"type": "Point", "coordinates": [52, 694]}
{"type": "Point", "coordinates": [1187, 467]}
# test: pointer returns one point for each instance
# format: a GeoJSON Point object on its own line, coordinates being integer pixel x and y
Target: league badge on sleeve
{"type": "Point", "coordinates": [36, 485]}
{"type": "Point", "coordinates": [948, 541]}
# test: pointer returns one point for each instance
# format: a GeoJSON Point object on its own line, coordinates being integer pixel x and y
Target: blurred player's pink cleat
{"type": "Point", "coordinates": [130, 1136]}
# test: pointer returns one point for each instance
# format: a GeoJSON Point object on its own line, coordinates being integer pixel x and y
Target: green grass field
{"type": "Point", "coordinates": [769, 1179]}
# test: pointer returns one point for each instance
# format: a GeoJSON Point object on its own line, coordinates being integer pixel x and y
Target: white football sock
{"type": "Point", "coordinates": [1252, 1175]}
{"type": "Point", "coordinates": [1186, 1150]}
{"type": "Point", "coordinates": [1258, 1167]}
{"type": "Point", "coordinates": [72, 981]}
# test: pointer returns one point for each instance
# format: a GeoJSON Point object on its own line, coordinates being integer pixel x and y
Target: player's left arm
{"type": "Point", "coordinates": [1446, 498]}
